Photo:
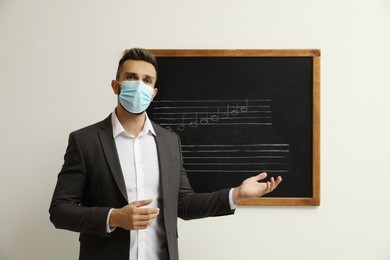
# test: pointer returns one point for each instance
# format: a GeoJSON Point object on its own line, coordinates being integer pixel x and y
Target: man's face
{"type": "Point", "coordinates": [137, 70]}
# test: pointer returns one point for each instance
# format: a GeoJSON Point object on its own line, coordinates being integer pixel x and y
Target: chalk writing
{"type": "Point", "coordinates": [180, 114]}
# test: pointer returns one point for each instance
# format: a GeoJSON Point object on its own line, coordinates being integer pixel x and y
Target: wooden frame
{"type": "Point", "coordinates": [315, 54]}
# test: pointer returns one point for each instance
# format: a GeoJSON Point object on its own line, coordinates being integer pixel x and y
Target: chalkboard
{"type": "Point", "coordinates": [241, 112]}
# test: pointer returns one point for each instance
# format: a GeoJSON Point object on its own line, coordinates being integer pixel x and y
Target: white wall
{"type": "Point", "coordinates": [56, 62]}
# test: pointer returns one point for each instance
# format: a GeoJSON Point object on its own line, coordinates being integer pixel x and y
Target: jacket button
{"type": "Point", "coordinates": [127, 240]}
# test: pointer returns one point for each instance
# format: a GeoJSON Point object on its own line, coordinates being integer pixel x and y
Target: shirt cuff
{"type": "Point", "coordinates": [108, 229]}
{"type": "Point", "coordinates": [233, 206]}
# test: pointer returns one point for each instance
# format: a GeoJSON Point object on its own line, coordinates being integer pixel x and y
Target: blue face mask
{"type": "Point", "coordinates": [135, 96]}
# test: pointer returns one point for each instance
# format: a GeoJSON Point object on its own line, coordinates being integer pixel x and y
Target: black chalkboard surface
{"type": "Point", "coordinates": [241, 112]}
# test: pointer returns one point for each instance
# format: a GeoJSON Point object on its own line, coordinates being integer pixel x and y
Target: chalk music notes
{"type": "Point", "coordinates": [182, 114]}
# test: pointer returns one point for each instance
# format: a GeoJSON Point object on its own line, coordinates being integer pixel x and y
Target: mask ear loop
{"type": "Point", "coordinates": [119, 88]}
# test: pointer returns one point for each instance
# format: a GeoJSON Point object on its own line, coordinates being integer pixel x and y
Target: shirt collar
{"type": "Point", "coordinates": [118, 129]}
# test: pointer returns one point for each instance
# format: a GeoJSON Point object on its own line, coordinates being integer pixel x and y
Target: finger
{"type": "Point", "coordinates": [143, 224]}
{"type": "Point", "coordinates": [140, 225]}
{"type": "Point", "coordinates": [146, 218]}
{"type": "Point", "coordinates": [148, 211]}
{"type": "Point", "coordinates": [269, 187]}
{"type": "Point", "coordinates": [141, 203]}
{"type": "Point", "coordinates": [261, 176]}
{"type": "Point", "coordinates": [274, 183]}
{"type": "Point", "coordinates": [278, 181]}
{"type": "Point", "coordinates": [138, 219]}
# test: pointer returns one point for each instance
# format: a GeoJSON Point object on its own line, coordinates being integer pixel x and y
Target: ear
{"type": "Point", "coordinates": [155, 90]}
{"type": "Point", "coordinates": [115, 86]}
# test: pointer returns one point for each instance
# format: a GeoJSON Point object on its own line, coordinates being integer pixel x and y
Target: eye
{"type": "Point", "coordinates": [130, 77]}
{"type": "Point", "coordinates": [148, 81]}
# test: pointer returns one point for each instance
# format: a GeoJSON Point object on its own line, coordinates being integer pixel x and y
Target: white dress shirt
{"type": "Point", "coordinates": [139, 163]}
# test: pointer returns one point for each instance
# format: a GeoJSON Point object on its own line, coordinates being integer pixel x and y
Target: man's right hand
{"type": "Point", "coordinates": [133, 216]}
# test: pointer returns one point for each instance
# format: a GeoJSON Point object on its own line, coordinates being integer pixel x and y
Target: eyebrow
{"type": "Point", "coordinates": [136, 74]}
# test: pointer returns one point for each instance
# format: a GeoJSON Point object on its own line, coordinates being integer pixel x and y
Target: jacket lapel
{"type": "Point", "coordinates": [163, 160]}
{"type": "Point", "coordinates": [109, 148]}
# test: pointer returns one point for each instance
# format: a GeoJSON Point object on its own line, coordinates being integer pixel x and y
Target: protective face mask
{"type": "Point", "coordinates": [135, 96]}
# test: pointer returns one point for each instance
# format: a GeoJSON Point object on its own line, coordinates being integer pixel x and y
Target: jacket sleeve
{"type": "Point", "coordinates": [200, 205]}
{"type": "Point", "coordinates": [66, 209]}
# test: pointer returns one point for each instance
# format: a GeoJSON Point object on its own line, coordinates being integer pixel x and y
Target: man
{"type": "Point", "coordinates": [122, 184]}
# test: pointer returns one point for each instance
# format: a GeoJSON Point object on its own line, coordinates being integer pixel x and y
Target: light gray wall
{"type": "Point", "coordinates": [56, 62]}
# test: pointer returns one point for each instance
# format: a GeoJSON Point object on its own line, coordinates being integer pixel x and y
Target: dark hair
{"type": "Point", "coordinates": [136, 54]}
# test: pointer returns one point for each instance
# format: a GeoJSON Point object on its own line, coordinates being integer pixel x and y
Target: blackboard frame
{"type": "Point", "coordinates": [315, 54]}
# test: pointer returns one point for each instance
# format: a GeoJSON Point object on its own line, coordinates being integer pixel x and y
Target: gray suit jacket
{"type": "Point", "coordinates": [90, 183]}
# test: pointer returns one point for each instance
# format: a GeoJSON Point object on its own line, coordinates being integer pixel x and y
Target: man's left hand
{"type": "Point", "coordinates": [252, 187]}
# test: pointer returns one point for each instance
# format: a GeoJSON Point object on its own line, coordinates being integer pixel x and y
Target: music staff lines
{"type": "Point", "coordinates": [213, 107]}
{"type": "Point", "coordinates": [236, 158]}
{"type": "Point", "coordinates": [192, 113]}
{"type": "Point", "coordinates": [192, 118]}
{"type": "Point", "coordinates": [186, 114]}
{"type": "Point", "coordinates": [284, 164]}
{"type": "Point", "coordinates": [232, 151]}
{"type": "Point", "coordinates": [205, 101]}
{"type": "Point", "coordinates": [232, 171]}
{"type": "Point", "coordinates": [231, 145]}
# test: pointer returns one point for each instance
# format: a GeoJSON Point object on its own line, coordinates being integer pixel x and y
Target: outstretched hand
{"type": "Point", "coordinates": [252, 187]}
